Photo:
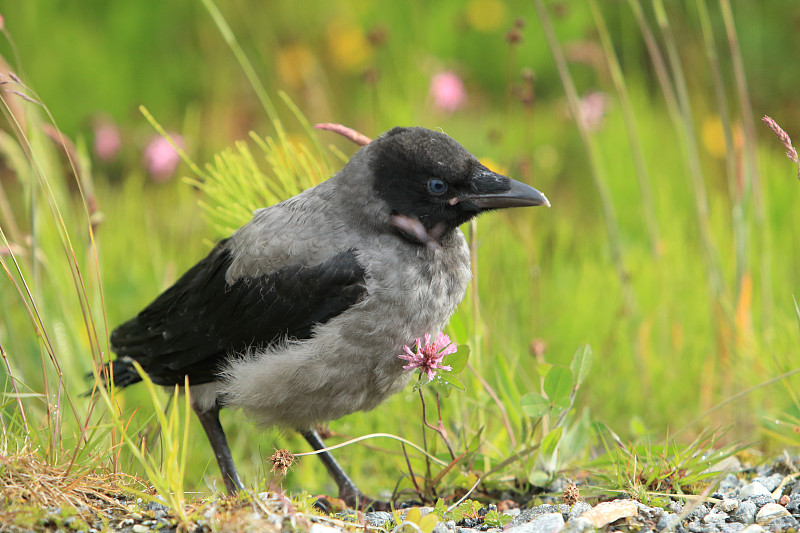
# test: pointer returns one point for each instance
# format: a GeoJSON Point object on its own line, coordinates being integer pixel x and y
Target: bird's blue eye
{"type": "Point", "coordinates": [437, 186]}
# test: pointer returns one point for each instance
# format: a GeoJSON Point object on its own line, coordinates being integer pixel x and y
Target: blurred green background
{"type": "Point", "coordinates": [680, 317]}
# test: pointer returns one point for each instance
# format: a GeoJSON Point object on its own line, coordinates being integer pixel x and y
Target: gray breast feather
{"type": "Point", "coordinates": [411, 290]}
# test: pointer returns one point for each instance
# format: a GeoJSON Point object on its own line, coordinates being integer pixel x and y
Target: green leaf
{"type": "Point", "coordinates": [550, 441]}
{"type": "Point", "coordinates": [638, 427]}
{"type": "Point", "coordinates": [495, 519]}
{"type": "Point", "coordinates": [538, 478]}
{"type": "Point", "coordinates": [476, 441]}
{"type": "Point", "coordinates": [413, 515]}
{"type": "Point", "coordinates": [428, 522]}
{"type": "Point", "coordinates": [440, 508]}
{"type": "Point", "coordinates": [581, 364]}
{"type": "Point", "coordinates": [449, 381]}
{"type": "Point", "coordinates": [470, 508]}
{"type": "Point", "coordinates": [534, 404]}
{"type": "Point", "coordinates": [459, 359]}
{"type": "Point", "coordinates": [543, 368]}
{"type": "Point", "coordinates": [558, 386]}
{"type": "Point", "coordinates": [421, 382]}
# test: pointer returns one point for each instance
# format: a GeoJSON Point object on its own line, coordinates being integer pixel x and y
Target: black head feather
{"type": "Point", "coordinates": [428, 176]}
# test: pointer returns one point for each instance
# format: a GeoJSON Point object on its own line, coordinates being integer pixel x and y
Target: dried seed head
{"type": "Point", "coordinates": [786, 141]}
{"type": "Point", "coordinates": [514, 36]}
{"type": "Point", "coordinates": [572, 494]}
{"type": "Point", "coordinates": [538, 347]}
{"type": "Point", "coordinates": [282, 461]}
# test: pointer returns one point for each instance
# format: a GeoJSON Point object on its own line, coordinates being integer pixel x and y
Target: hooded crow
{"type": "Point", "coordinates": [299, 317]}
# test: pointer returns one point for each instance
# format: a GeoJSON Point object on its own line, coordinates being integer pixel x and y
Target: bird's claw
{"type": "Point", "coordinates": [355, 499]}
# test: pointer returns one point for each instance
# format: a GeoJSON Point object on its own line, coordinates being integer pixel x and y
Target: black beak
{"type": "Point", "coordinates": [494, 191]}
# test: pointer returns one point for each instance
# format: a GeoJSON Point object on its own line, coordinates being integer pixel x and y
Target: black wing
{"type": "Point", "coordinates": [193, 326]}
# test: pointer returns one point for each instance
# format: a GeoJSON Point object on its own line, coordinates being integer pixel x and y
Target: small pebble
{"type": "Point", "coordinates": [378, 518]}
{"type": "Point", "coordinates": [784, 523]}
{"type": "Point", "coordinates": [727, 505]}
{"type": "Point", "coordinates": [745, 513]}
{"type": "Point", "coordinates": [696, 527]}
{"type": "Point", "coordinates": [715, 517]}
{"type": "Point", "coordinates": [734, 527]}
{"type": "Point", "coordinates": [730, 482]}
{"type": "Point", "coordinates": [753, 489]}
{"type": "Point", "coordinates": [699, 512]}
{"type": "Point", "coordinates": [770, 482]}
{"type": "Point", "coordinates": [529, 514]}
{"type": "Point", "coordinates": [753, 528]}
{"type": "Point", "coordinates": [770, 512]}
{"type": "Point", "coordinates": [319, 528]}
{"type": "Point", "coordinates": [440, 528]}
{"type": "Point", "coordinates": [579, 525]}
{"type": "Point", "coordinates": [793, 507]}
{"type": "Point", "coordinates": [762, 500]}
{"type": "Point", "coordinates": [155, 506]}
{"type": "Point", "coordinates": [668, 521]}
{"type": "Point", "coordinates": [542, 523]}
{"type": "Point", "coordinates": [578, 509]}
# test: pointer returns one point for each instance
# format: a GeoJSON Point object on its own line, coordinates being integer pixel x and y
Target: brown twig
{"type": "Point", "coordinates": [411, 472]}
{"type": "Point", "coordinates": [440, 429]}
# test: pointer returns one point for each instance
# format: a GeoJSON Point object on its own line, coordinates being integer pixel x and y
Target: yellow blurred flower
{"type": "Point", "coordinates": [713, 136]}
{"type": "Point", "coordinates": [486, 15]}
{"type": "Point", "coordinates": [349, 48]}
{"type": "Point", "coordinates": [294, 64]}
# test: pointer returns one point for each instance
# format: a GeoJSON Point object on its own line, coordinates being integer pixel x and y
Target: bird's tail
{"type": "Point", "coordinates": [122, 371]}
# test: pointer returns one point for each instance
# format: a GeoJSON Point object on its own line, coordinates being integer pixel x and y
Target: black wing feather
{"type": "Point", "coordinates": [193, 326]}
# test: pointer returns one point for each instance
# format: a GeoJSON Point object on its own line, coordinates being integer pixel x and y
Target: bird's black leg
{"type": "Point", "coordinates": [210, 421]}
{"type": "Point", "coordinates": [347, 489]}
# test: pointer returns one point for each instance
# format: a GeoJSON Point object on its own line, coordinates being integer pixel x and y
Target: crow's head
{"type": "Point", "coordinates": [426, 176]}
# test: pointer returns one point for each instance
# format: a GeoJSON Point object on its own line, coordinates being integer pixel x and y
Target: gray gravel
{"type": "Point", "coordinates": [764, 499]}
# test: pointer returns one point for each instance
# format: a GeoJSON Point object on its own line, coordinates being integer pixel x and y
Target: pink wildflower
{"type": "Point", "coordinates": [107, 140]}
{"type": "Point", "coordinates": [592, 108]}
{"type": "Point", "coordinates": [428, 358]}
{"type": "Point", "coordinates": [161, 158]}
{"type": "Point", "coordinates": [448, 91]}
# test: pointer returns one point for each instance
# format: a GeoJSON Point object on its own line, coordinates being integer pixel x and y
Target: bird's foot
{"type": "Point", "coordinates": [353, 498]}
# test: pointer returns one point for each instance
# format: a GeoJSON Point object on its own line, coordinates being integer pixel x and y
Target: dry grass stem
{"type": "Point", "coordinates": [26, 479]}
